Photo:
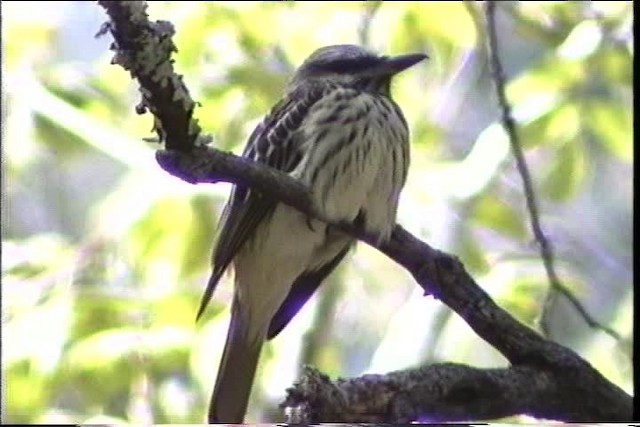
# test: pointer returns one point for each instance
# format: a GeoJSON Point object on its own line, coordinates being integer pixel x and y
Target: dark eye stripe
{"type": "Point", "coordinates": [348, 65]}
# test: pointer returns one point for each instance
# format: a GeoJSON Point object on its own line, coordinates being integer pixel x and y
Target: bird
{"type": "Point", "coordinates": [338, 131]}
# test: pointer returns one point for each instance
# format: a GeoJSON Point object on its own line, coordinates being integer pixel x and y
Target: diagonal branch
{"type": "Point", "coordinates": [556, 371]}
{"type": "Point", "coordinates": [144, 49]}
{"type": "Point", "coordinates": [567, 380]}
{"type": "Point", "coordinates": [509, 124]}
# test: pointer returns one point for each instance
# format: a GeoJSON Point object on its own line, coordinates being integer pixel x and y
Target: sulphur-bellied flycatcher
{"type": "Point", "coordinates": [338, 131]}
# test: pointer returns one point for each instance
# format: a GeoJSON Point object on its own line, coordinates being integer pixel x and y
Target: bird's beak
{"type": "Point", "coordinates": [395, 64]}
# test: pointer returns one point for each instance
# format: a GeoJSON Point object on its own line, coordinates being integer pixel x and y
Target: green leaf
{"type": "Point", "coordinates": [447, 22]}
{"type": "Point", "coordinates": [612, 124]}
{"type": "Point", "coordinates": [158, 240]}
{"type": "Point", "coordinates": [106, 349]}
{"type": "Point", "coordinates": [62, 142]}
{"type": "Point", "coordinates": [471, 254]}
{"type": "Point", "coordinates": [99, 309]}
{"type": "Point", "coordinates": [496, 214]}
{"type": "Point", "coordinates": [553, 128]}
{"type": "Point", "coordinates": [616, 65]}
{"type": "Point", "coordinates": [199, 237]}
{"type": "Point", "coordinates": [567, 172]}
{"type": "Point", "coordinates": [525, 299]}
{"type": "Point", "coordinates": [563, 124]}
{"type": "Point", "coordinates": [29, 394]}
{"type": "Point", "coordinates": [553, 77]}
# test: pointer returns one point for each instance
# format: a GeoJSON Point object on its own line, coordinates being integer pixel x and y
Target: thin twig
{"type": "Point", "coordinates": [364, 29]}
{"type": "Point", "coordinates": [546, 249]}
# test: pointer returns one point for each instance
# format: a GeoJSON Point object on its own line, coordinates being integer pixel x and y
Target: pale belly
{"type": "Point", "coordinates": [364, 176]}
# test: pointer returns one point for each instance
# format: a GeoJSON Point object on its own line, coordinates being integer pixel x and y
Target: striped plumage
{"type": "Point", "coordinates": [338, 131]}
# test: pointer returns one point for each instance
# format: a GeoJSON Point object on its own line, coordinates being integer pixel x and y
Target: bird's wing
{"type": "Point", "coordinates": [302, 289]}
{"type": "Point", "coordinates": [273, 142]}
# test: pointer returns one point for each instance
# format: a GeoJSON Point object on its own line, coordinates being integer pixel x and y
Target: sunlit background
{"type": "Point", "coordinates": [105, 256]}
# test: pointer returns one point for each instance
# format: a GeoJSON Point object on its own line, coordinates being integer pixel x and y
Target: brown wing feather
{"type": "Point", "coordinates": [273, 142]}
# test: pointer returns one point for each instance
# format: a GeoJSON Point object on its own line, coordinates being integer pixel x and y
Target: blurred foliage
{"type": "Point", "coordinates": [104, 255]}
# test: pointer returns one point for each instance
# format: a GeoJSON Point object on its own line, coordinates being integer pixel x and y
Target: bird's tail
{"type": "Point", "coordinates": [237, 370]}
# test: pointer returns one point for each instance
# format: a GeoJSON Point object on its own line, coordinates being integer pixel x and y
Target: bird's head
{"type": "Point", "coordinates": [353, 66]}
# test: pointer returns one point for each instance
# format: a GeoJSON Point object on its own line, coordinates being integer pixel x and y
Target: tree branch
{"type": "Point", "coordinates": [144, 49]}
{"type": "Point", "coordinates": [571, 389]}
{"type": "Point", "coordinates": [442, 392]}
